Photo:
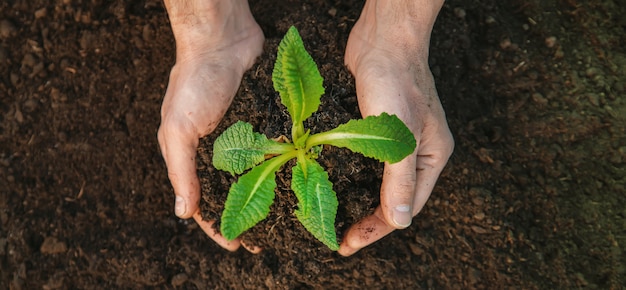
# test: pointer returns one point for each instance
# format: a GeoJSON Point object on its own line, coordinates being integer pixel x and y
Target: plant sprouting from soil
{"type": "Point", "coordinates": [239, 148]}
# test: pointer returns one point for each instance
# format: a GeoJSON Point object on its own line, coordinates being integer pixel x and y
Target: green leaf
{"type": "Point", "coordinates": [317, 202]}
{"type": "Point", "coordinates": [239, 148]}
{"type": "Point", "coordinates": [297, 79]}
{"type": "Point", "coordinates": [383, 137]}
{"type": "Point", "coordinates": [249, 199]}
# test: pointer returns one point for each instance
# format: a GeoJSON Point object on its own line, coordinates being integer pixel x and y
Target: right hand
{"type": "Point", "coordinates": [387, 52]}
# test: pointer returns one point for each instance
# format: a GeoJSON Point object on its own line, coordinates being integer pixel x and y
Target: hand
{"type": "Point", "coordinates": [216, 44]}
{"type": "Point", "coordinates": [388, 56]}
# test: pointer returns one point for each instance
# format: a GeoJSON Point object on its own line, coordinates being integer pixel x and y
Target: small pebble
{"type": "Point", "coordinates": [41, 13]}
{"type": "Point", "coordinates": [62, 136]}
{"type": "Point", "coordinates": [179, 279]}
{"type": "Point", "coordinates": [479, 191]}
{"type": "Point", "coordinates": [29, 60]}
{"type": "Point", "coordinates": [19, 117]}
{"type": "Point", "coordinates": [52, 245]}
{"type": "Point", "coordinates": [550, 41]}
{"type": "Point", "coordinates": [559, 53]}
{"type": "Point", "coordinates": [478, 201]}
{"type": "Point", "coordinates": [591, 72]}
{"type": "Point", "coordinates": [505, 43]}
{"type": "Point", "coordinates": [539, 99]}
{"type": "Point", "coordinates": [594, 99]}
{"type": "Point", "coordinates": [37, 68]}
{"type": "Point", "coordinates": [55, 95]}
{"type": "Point", "coordinates": [85, 18]}
{"type": "Point", "coordinates": [416, 249]}
{"type": "Point", "coordinates": [142, 242]}
{"type": "Point", "coordinates": [332, 12]}
{"type": "Point", "coordinates": [269, 281]}
{"type": "Point", "coordinates": [15, 79]}
{"type": "Point", "coordinates": [479, 230]}
{"type": "Point", "coordinates": [138, 42]}
{"type": "Point", "coordinates": [147, 33]}
{"type": "Point", "coordinates": [459, 12]}
{"type": "Point", "coordinates": [30, 105]}
{"type": "Point", "coordinates": [7, 28]}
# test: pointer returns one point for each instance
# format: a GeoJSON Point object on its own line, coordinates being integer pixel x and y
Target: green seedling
{"type": "Point", "coordinates": [239, 148]}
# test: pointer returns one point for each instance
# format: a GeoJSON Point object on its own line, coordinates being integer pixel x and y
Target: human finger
{"type": "Point", "coordinates": [364, 233]}
{"type": "Point", "coordinates": [207, 227]}
{"type": "Point", "coordinates": [432, 157]}
{"type": "Point", "coordinates": [251, 248]}
{"type": "Point", "coordinates": [178, 144]}
{"type": "Point", "coordinates": [397, 192]}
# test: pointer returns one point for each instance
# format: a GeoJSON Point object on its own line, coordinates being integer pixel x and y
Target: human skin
{"type": "Point", "coordinates": [387, 52]}
{"type": "Point", "coordinates": [216, 42]}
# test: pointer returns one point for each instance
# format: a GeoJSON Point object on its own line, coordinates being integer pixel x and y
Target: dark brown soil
{"type": "Point", "coordinates": [532, 198]}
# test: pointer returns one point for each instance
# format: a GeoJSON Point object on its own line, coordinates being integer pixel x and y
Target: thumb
{"type": "Point", "coordinates": [178, 147]}
{"type": "Point", "coordinates": [398, 192]}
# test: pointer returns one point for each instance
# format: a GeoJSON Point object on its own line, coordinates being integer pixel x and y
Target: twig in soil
{"type": "Point", "coordinates": [272, 228]}
{"type": "Point", "coordinates": [82, 190]}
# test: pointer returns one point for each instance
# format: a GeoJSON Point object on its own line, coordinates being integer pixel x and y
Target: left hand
{"type": "Point", "coordinates": [216, 42]}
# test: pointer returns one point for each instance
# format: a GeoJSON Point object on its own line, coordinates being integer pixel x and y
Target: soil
{"type": "Point", "coordinates": [532, 197]}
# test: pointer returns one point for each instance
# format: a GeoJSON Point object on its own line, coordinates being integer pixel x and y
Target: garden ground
{"type": "Point", "coordinates": [533, 196]}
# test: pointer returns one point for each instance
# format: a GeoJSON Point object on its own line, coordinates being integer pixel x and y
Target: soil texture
{"type": "Point", "coordinates": [532, 198]}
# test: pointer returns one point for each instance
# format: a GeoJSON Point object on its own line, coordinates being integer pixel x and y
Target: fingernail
{"type": "Point", "coordinates": [402, 215]}
{"type": "Point", "coordinates": [180, 207]}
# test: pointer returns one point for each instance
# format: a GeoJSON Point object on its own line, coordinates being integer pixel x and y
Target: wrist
{"type": "Point", "coordinates": [404, 23]}
{"type": "Point", "coordinates": [199, 24]}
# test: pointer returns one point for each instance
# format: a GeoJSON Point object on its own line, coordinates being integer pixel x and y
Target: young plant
{"type": "Point", "coordinates": [239, 148]}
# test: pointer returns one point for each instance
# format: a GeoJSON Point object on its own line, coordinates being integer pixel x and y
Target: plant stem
{"type": "Point", "coordinates": [279, 148]}
{"type": "Point", "coordinates": [278, 161]}
{"type": "Point", "coordinates": [297, 131]}
{"type": "Point", "coordinates": [319, 139]}
{"type": "Point", "coordinates": [302, 161]}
